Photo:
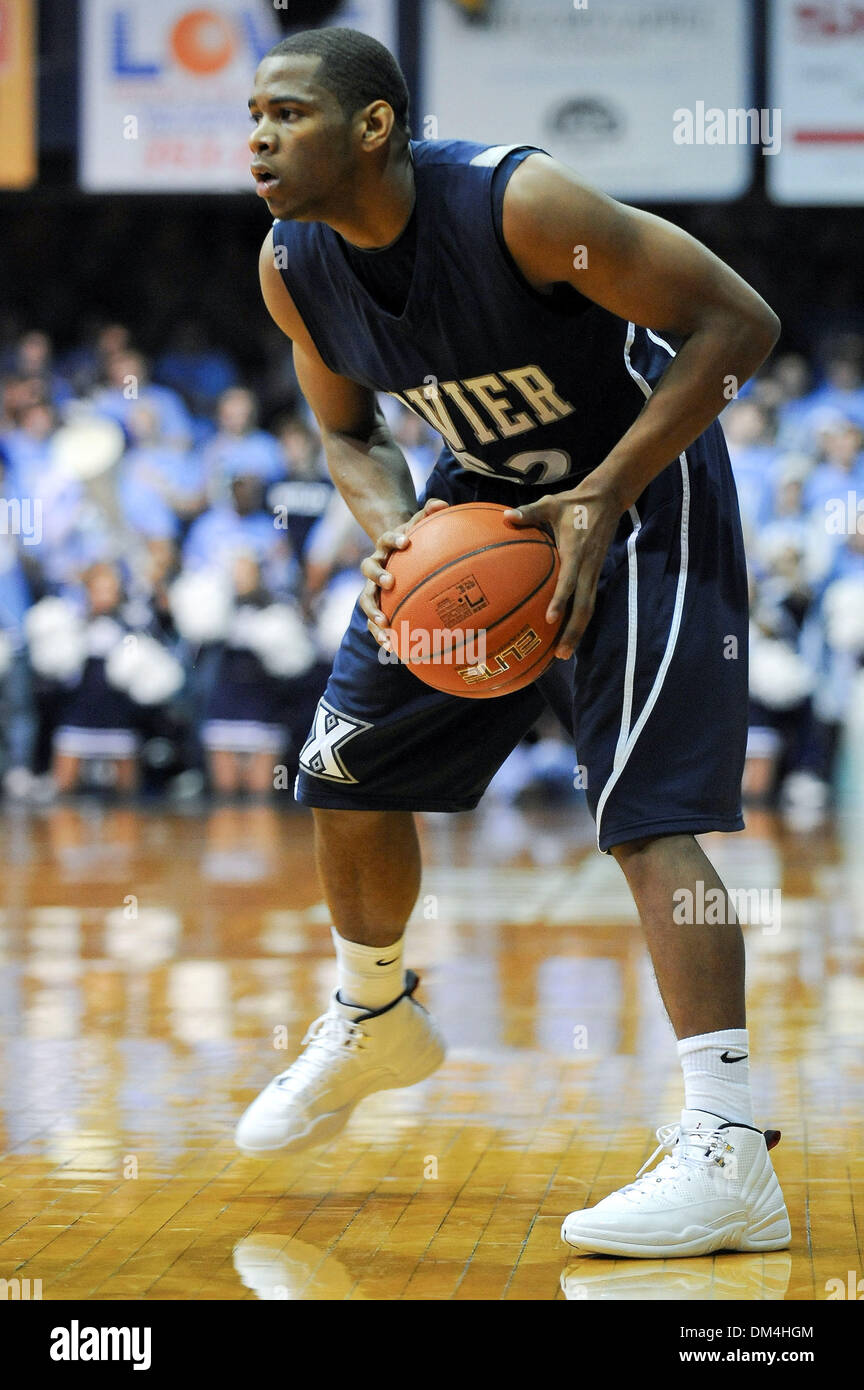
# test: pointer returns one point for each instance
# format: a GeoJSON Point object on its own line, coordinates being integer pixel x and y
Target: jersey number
{"type": "Point", "coordinates": [555, 465]}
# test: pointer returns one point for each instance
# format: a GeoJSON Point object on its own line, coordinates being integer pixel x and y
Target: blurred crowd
{"type": "Point", "coordinates": [796, 442]}
{"type": "Point", "coordinates": [174, 577]}
{"type": "Point", "coordinates": [176, 571]}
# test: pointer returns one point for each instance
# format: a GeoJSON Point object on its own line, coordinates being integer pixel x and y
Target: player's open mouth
{"type": "Point", "coordinates": [265, 180]}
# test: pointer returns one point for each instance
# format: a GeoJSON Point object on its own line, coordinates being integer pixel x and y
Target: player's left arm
{"type": "Point", "coordinates": [645, 270]}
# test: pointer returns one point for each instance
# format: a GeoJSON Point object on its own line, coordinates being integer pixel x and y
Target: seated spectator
{"type": "Point", "coordinates": [843, 389]}
{"type": "Point", "coordinates": [749, 438]}
{"type": "Point", "coordinates": [793, 379]}
{"type": "Point", "coordinates": [48, 499]}
{"type": "Point", "coordinates": [128, 384]}
{"type": "Point", "coordinates": [839, 470]}
{"type": "Point", "coordinates": [244, 525]}
{"type": "Point", "coordinates": [848, 558]}
{"type": "Point", "coordinates": [239, 446]}
{"type": "Point", "coordinates": [302, 497]}
{"type": "Point", "coordinates": [793, 527]}
{"type": "Point", "coordinates": [27, 444]}
{"type": "Point", "coordinates": [159, 487]}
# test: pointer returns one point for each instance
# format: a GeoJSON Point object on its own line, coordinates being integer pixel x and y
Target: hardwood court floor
{"type": "Point", "coordinates": [156, 969]}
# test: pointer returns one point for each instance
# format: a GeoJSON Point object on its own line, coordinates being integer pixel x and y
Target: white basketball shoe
{"type": "Point", "coordinates": [714, 1190]}
{"type": "Point", "coordinates": [350, 1052]}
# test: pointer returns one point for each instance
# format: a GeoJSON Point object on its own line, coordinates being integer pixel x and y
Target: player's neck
{"type": "Point", "coordinates": [378, 211]}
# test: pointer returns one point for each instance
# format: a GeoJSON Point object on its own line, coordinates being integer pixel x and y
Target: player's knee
{"type": "Point", "coordinates": [342, 825]}
{"type": "Point", "coordinates": [639, 856]}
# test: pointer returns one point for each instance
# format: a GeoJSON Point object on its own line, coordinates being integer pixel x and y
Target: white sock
{"type": "Point", "coordinates": [713, 1079]}
{"type": "Point", "coordinates": [369, 976]}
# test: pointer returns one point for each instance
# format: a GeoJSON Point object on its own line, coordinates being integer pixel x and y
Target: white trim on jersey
{"type": "Point", "coordinates": [632, 632]}
{"type": "Point", "coordinates": [661, 342]}
{"type": "Point", "coordinates": [627, 737]}
{"type": "Point", "coordinates": [493, 155]}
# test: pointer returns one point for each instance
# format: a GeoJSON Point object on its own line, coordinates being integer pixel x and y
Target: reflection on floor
{"type": "Point", "coordinates": [156, 969]}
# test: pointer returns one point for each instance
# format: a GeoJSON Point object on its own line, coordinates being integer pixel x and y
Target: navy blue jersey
{"type": "Point", "coordinates": [521, 385]}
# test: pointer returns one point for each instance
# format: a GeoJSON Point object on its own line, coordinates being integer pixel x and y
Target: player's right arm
{"type": "Point", "coordinates": [365, 463]}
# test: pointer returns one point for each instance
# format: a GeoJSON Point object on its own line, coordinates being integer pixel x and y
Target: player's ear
{"type": "Point", "coordinates": [377, 123]}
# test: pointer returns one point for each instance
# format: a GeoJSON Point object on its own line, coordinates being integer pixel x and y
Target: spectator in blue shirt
{"type": "Point", "coordinates": [128, 383]}
{"type": "Point", "coordinates": [843, 390]}
{"type": "Point", "coordinates": [49, 500]}
{"type": "Point", "coordinates": [747, 427]}
{"type": "Point", "coordinates": [242, 526]}
{"type": "Point", "coordinates": [792, 380]}
{"type": "Point", "coordinates": [840, 470]}
{"type": "Point", "coordinates": [159, 487]}
{"type": "Point", "coordinates": [303, 496]}
{"type": "Point", "coordinates": [239, 446]}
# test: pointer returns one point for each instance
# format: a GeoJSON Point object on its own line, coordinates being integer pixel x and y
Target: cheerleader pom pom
{"type": "Point", "coordinates": [843, 607]}
{"type": "Point", "coordinates": [201, 606]}
{"type": "Point", "coordinates": [279, 638]}
{"type": "Point", "coordinates": [56, 639]}
{"type": "Point", "coordinates": [142, 668]}
{"type": "Point", "coordinates": [49, 616]}
{"type": "Point", "coordinates": [779, 678]}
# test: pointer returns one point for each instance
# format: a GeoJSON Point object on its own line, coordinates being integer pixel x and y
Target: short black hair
{"type": "Point", "coordinates": [356, 68]}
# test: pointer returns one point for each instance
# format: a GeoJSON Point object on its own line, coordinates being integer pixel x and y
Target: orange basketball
{"type": "Point", "coordinates": [467, 610]}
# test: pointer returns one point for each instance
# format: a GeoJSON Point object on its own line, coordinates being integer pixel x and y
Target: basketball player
{"type": "Point", "coordinates": [573, 353]}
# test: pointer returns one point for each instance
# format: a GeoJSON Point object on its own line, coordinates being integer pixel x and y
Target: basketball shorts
{"type": "Point", "coordinates": [656, 697]}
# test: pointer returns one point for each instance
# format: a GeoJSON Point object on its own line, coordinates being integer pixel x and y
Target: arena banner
{"type": "Point", "coordinates": [164, 87]}
{"type": "Point", "coordinates": [17, 94]}
{"type": "Point", "coordinates": [647, 99]}
{"type": "Point", "coordinates": [816, 78]}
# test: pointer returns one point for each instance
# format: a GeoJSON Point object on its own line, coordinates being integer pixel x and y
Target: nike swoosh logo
{"type": "Point", "coordinates": [724, 1056]}
{"type": "Point", "coordinates": [386, 962]}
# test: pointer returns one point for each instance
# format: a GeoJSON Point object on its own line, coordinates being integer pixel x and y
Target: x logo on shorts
{"type": "Point", "coordinates": [321, 753]}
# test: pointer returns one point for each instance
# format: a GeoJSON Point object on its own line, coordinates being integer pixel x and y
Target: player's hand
{"type": "Point", "coordinates": [377, 577]}
{"type": "Point", "coordinates": [584, 521]}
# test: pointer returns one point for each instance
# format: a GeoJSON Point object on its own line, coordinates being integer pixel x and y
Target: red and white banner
{"type": "Point", "coordinates": [164, 87]}
{"type": "Point", "coordinates": [816, 79]}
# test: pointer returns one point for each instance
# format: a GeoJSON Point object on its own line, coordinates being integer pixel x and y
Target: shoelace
{"type": "Point", "coordinates": [326, 1038]}
{"type": "Point", "coordinates": [668, 1137]}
